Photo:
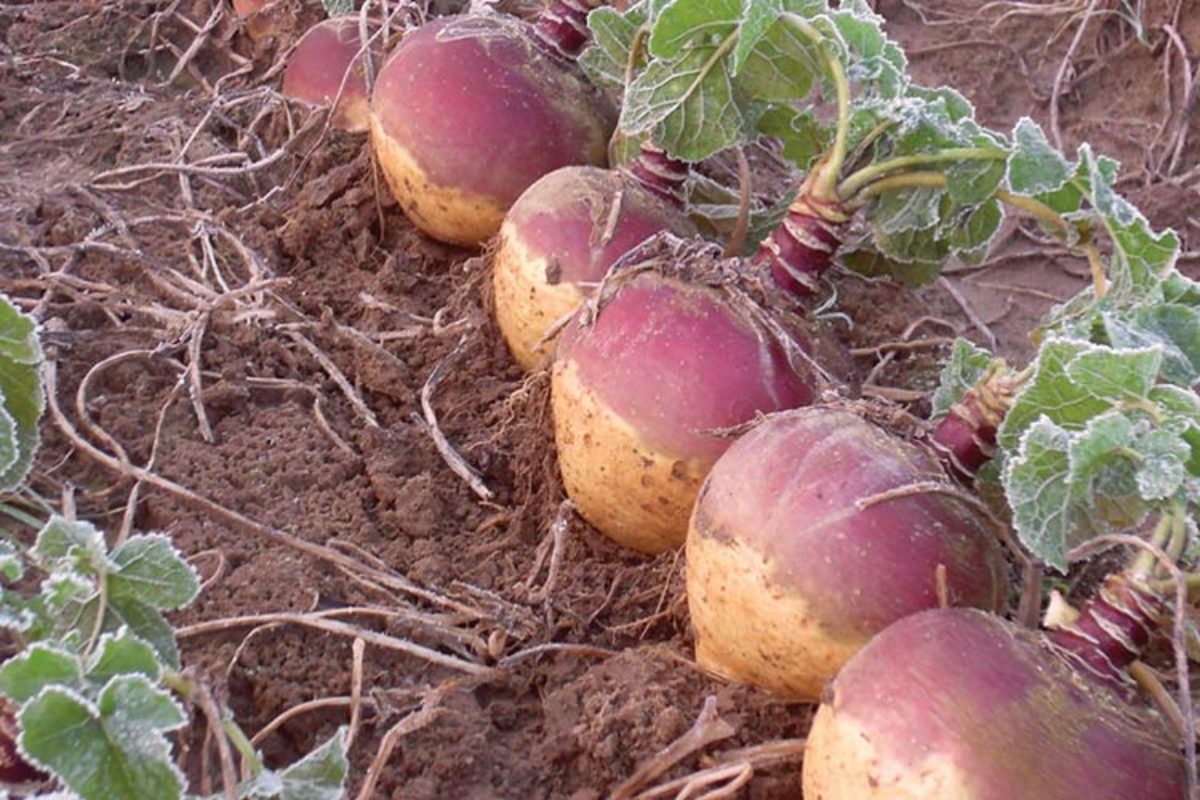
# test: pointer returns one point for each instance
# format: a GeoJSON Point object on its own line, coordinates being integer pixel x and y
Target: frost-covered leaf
{"type": "Point", "coordinates": [1104, 443]}
{"type": "Point", "coordinates": [1172, 326]}
{"type": "Point", "coordinates": [1141, 257]}
{"type": "Point", "coordinates": [12, 565]}
{"type": "Point", "coordinates": [65, 589]}
{"type": "Point", "coordinates": [1162, 467]}
{"type": "Point", "coordinates": [1035, 482]}
{"type": "Point", "coordinates": [606, 58]}
{"type": "Point", "coordinates": [122, 654]}
{"type": "Point", "coordinates": [38, 666]}
{"type": "Point", "coordinates": [113, 749]}
{"type": "Point", "coordinates": [1075, 381]}
{"type": "Point", "coordinates": [22, 400]}
{"type": "Point", "coordinates": [759, 16]}
{"type": "Point", "coordinates": [906, 210]}
{"type": "Point", "coordinates": [718, 204]}
{"type": "Point", "coordinates": [130, 705]}
{"type": "Point", "coordinates": [1035, 166]}
{"type": "Point", "coordinates": [320, 775]}
{"type": "Point", "coordinates": [687, 106]}
{"type": "Point", "coordinates": [146, 623]}
{"type": "Point", "coordinates": [965, 367]}
{"type": "Point", "coordinates": [1066, 487]}
{"type": "Point", "coordinates": [918, 227]}
{"type": "Point", "coordinates": [717, 65]}
{"type": "Point", "coordinates": [16, 616]}
{"type": "Point", "coordinates": [149, 570]}
{"type": "Point", "coordinates": [803, 136]}
{"type": "Point", "coordinates": [685, 24]}
{"type": "Point", "coordinates": [876, 65]}
{"type": "Point", "coordinates": [782, 67]}
{"type": "Point", "coordinates": [971, 235]}
{"type": "Point", "coordinates": [75, 541]}
{"type": "Point", "coordinates": [913, 248]}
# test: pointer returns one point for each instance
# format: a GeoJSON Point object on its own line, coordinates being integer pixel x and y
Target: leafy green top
{"type": "Point", "coordinates": [21, 398]}
{"type": "Point", "coordinates": [699, 76]}
{"type": "Point", "coordinates": [1105, 430]}
{"type": "Point", "coordinates": [92, 682]}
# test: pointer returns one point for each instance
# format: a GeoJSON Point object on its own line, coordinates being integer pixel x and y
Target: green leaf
{"type": "Point", "coordinates": [606, 58]}
{"type": "Point", "coordinates": [65, 589]}
{"type": "Point", "coordinates": [804, 137]}
{"type": "Point", "coordinates": [131, 705]}
{"type": "Point", "coordinates": [1035, 166]}
{"type": "Point", "coordinates": [965, 367]}
{"type": "Point", "coordinates": [1142, 259]}
{"type": "Point", "coordinates": [22, 400]}
{"type": "Point", "coordinates": [687, 24]}
{"type": "Point", "coordinates": [874, 63]}
{"type": "Point", "coordinates": [687, 105]}
{"type": "Point", "coordinates": [335, 7]}
{"type": "Point", "coordinates": [76, 542]}
{"type": "Point", "coordinates": [149, 570]}
{"type": "Point", "coordinates": [17, 616]}
{"type": "Point", "coordinates": [38, 666]}
{"type": "Point", "coordinates": [122, 654]}
{"type": "Point", "coordinates": [1075, 381]}
{"type": "Point", "coordinates": [12, 566]}
{"type": "Point", "coordinates": [146, 623]}
{"type": "Point", "coordinates": [320, 775]}
{"type": "Point", "coordinates": [971, 237]}
{"type": "Point", "coordinates": [914, 209]}
{"type": "Point", "coordinates": [781, 68]}
{"type": "Point", "coordinates": [1163, 466]}
{"type": "Point", "coordinates": [1172, 326]}
{"type": "Point", "coordinates": [112, 750]}
{"type": "Point", "coordinates": [1035, 483]}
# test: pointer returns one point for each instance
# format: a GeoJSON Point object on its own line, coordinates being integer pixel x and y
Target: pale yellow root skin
{"type": "Point", "coordinates": [526, 305]}
{"type": "Point", "coordinates": [635, 496]}
{"type": "Point", "coordinates": [446, 214]}
{"type": "Point", "coordinates": [751, 630]}
{"type": "Point", "coordinates": [841, 763]}
{"type": "Point", "coordinates": [353, 114]}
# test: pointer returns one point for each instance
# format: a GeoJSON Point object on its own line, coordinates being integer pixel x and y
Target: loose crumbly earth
{"type": "Point", "coordinates": [284, 303]}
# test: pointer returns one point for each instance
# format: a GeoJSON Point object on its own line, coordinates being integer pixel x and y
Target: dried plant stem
{"type": "Point", "coordinates": [216, 724]}
{"type": "Point", "coordinates": [357, 650]}
{"type": "Point", "coordinates": [457, 463]}
{"type": "Point", "coordinates": [340, 629]}
{"type": "Point", "coordinates": [427, 713]}
{"type": "Point", "coordinates": [708, 728]}
{"type": "Point", "coordinates": [303, 708]}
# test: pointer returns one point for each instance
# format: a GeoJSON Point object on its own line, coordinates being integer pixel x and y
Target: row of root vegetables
{"type": "Point", "coordinates": [696, 403]}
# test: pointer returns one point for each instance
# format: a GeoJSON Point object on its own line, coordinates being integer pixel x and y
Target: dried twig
{"type": "Point", "coordinates": [427, 713]}
{"type": "Point", "coordinates": [323, 623]}
{"type": "Point", "coordinates": [216, 724]}
{"type": "Point", "coordinates": [357, 650]}
{"type": "Point", "coordinates": [457, 463]}
{"type": "Point", "coordinates": [967, 309]}
{"type": "Point", "coordinates": [304, 708]}
{"type": "Point", "coordinates": [558, 536]}
{"type": "Point", "coordinates": [708, 728]}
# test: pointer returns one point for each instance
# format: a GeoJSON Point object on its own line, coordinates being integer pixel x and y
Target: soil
{"type": "Point", "coordinates": [260, 332]}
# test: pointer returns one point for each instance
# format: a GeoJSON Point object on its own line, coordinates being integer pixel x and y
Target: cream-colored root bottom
{"type": "Point", "coordinates": [449, 215]}
{"type": "Point", "coordinates": [637, 497]}
{"type": "Point", "coordinates": [842, 763]}
{"type": "Point", "coordinates": [752, 630]}
{"type": "Point", "coordinates": [526, 305]}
